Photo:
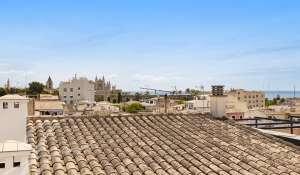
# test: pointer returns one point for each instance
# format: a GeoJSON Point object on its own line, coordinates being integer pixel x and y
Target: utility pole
{"type": "Point", "coordinates": [166, 103]}
{"type": "Point", "coordinates": [294, 92]}
{"type": "Point", "coordinates": [295, 96]}
{"type": "Point", "coordinates": [202, 88]}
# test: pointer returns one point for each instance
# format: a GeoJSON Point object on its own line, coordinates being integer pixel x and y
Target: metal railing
{"type": "Point", "coordinates": [291, 123]}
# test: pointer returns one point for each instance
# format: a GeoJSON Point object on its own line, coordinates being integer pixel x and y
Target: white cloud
{"type": "Point", "coordinates": [15, 72]}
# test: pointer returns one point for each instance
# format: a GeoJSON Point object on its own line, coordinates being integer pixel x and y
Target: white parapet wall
{"type": "Point", "coordinates": [14, 158]}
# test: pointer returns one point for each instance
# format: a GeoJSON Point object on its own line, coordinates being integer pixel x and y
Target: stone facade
{"type": "Point", "coordinates": [103, 89]}
{"type": "Point", "coordinates": [49, 86]}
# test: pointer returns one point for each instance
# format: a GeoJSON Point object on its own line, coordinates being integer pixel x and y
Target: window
{"type": "Point", "coordinates": [233, 117]}
{"type": "Point", "coordinates": [78, 95]}
{"type": "Point", "coordinates": [16, 105]}
{"type": "Point", "coordinates": [239, 98]}
{"type": "Point", "coordinates": [78, 88]}
{"type": "Point", "coordinates": [241, 117]}
{"type": "Point", "coordinates": [17, 164]}
{"type": "Point", "coordinates": [65, 96]}
{"type": "Point", "coordinates": [71, 96]}
{"type": "Point", "coordinates": [65, 89]}
{"type": "Point", "coordinates": [5, 105]}
{"type": "Point", "coordinates": [71, 89]}
{"type": "Point", "coordinates": [2, 165]}
{"type": "Point", "coordinates": [71, 102]}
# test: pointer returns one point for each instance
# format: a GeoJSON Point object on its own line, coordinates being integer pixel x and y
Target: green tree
{"type": "Point", "coordinates": [119, 97]}
{"type": "Point", "coordinates": [188, 90]}
{"type": "Point", "coordinates": [180, 102]}
{"type": "Point", "coordinates": [133, 108]}
{"type": "Point", "coordinates": [35, 88]}
{"type": "Point", "coordinates": [2, 92]}
{"type": "Point", "coordinates": [55, 92]}
{"type": "Point", "coordinates": [137, 96]}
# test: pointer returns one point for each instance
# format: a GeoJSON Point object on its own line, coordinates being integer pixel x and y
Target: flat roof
{"type": "Point", "coordinates": [13, 97]}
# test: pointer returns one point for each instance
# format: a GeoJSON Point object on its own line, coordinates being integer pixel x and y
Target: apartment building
{"type": "Point", "coordinates": [77, 90]}
{"type": "Point", "coordinates": [254, 99]}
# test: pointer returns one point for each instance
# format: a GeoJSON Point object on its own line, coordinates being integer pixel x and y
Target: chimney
{"type": "Point", "coordinates": [218, 101]}
{"type": "Point", "coordinates": [218, 90]}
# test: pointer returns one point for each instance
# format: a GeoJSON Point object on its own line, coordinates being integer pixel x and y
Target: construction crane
{"type": "Point", "coordinates": [156, 90]}
{"type": "Point", "coordinates": [156, 93]}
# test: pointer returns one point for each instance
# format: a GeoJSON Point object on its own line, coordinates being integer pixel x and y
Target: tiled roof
{"type": "Point", "coordinates": [48, 105]}
{"type": "Point", "coordinates": [158, 144]}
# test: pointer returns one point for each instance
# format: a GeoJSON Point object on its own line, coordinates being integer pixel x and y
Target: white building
{"type": "Point", "coordinates": [76, 90]}
{"type": "Point", "coordinates": [14, 152]}
{"type": "Point", "coordinates": [13, 116]}
{"type": "Point", "coordinates": [199, 104]}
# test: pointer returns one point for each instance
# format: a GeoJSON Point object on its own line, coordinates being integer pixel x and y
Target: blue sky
{"type": "Point", "coordinates": [251, 44]}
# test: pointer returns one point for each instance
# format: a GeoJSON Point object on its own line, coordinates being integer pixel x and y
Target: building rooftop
{"type": "Point", "coordinates": [14, 146]}
{"type": "Point", "coordinates": [13, 97]}
{"type": "Point", "coordinates": [49, 97]}
{"type": "Point", "coordinates": [48, 105]}
{"type": "Point", "coordinates": [155, 144]}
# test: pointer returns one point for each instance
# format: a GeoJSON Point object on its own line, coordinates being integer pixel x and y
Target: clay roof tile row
{"type": "Point", "coordinates": [157, 144]}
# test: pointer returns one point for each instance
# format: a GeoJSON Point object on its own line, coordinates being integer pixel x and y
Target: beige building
{"type": "Point", "coordinates": [235, 109]}
{"type": "Point", "coordinates": [52, 108]}
{"type": "Point", "coordinates": [77, 90]}
{"type": "Point", "coordinates": [254, 99]}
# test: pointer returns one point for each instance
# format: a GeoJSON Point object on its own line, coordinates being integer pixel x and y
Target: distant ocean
{"type": "Point", "coordinates": [283, 94]}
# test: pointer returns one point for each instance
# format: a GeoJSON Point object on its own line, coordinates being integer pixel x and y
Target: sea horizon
{"type": "Point", "coordinates": [282, 93]}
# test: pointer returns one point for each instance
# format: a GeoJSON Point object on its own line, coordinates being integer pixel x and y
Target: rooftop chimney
{"type": "Point", "coordinates": [217, 90]}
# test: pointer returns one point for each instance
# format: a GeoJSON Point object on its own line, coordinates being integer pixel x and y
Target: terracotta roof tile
{"type": "Point", "coordinates": [158, 144]}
